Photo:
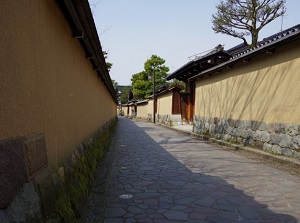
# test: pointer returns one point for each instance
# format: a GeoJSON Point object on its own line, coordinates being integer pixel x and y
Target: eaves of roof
{"type": "Point", "coordinates": [142, 102]}
{"type": "Point", "coordinates": [170, 89]}
{"type": "Point", "coordinates": [78, 14]}
{"type": "Point", "coordinates": [180, 73]}
{"type": "Point", "coordinates": [176, 87]}
{"type": "Point", "coordinates": [181, 69]}
{"type": "Point", "coordinates": [267, 45]}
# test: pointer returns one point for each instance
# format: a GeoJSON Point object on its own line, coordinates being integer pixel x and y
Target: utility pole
{"type": "Point", "coordinates": [154, 97]}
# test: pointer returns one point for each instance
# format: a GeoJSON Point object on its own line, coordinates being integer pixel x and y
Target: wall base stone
{"type": "Point", "coordinates": [24, 208]}
{"type": "Point", "coordinates": [13, 172]}
{"type": "Point", "coordinates": [38, 195]}
{"type": "Point", "coordinates": [277, 138]}
{"type": "Point", "coordinates": [171, 120]}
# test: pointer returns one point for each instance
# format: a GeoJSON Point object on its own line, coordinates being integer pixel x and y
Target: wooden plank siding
{"type": "Point", "coordinates": [176, 103]}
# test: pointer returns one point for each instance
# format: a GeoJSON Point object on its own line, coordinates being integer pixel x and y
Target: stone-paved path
{"type": "Point", "coordinates": [175, 178]}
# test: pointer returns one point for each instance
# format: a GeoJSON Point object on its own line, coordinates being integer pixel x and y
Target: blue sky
{"type": "Point", "coordinates": [132, 30]}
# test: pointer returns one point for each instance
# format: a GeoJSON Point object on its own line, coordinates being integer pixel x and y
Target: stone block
{"type": "Point", "coordinates": [26, 205]}
{"type": "Point", "coordinates": [251, 142]}
{"type": "Point", "coordinates": [12, 170]}
{"type": "Point", "coordinates": [61, 173]}
{"type": "Point", "coordinates": [227, 137]}
{"type": "Point", "coordinates": [292, 129]}
{"type": "Point", "coordinates": [233, 132]}
{"type": "Point", "coordinates": [216, 120]}
{"type": "Point", "coordinates": [240, 140]}
{"type": "Point", "coordinates": [237, 123]}
{"type": "Point", "coordinates": [277, 149]}
{"type": "Point", "coordinates": [228, 129]}
{"type": "Point", "coordinates": [265, 136]}
{"type": "Point", "coordinates": [246, 124]}
{"type": "Point", "coordinates": [254, 125]}
{"type": "Point", "coordinates": [196, 130]}
{"type": "Point", "coordinates": [239, 132]}
{"type": "Point", "coordinates": [280, 128]}
{"type": "Point", "coordinates": [246, 134]}
{"type": "Point", "coordinates": [35, 154]}
{"type": "Point", "coordinates": [275, 138]}
{"type": "Point", "coordinates": [48, 184]}
{"type": "Point", "coordinates": [4, 217]}
{"type": "Point", "coordinates": [246, 142]}
{"type": "Point", "coordinates": [207, 126]}
{"type": "Point", "coordinates": [196, 124]}
{"type": "Point", "coordinates": [267, 147]}
{"type": "Point", "coordinates": [231, 122]}
{"type": "Point", "coordinates": [175, 118]}
{"type": "Point", "coordinates": [262, 126]}
{"type": "Point", "coordinates": [218, 136]}
{"type": "Point", "coordinates": [212, 129]}
{"type": "Point", "coordinates": [259, 144]}
{"type": "Point", "coordinates": [220, 129]}
{"type": "Point", "coordinates": [224, 121]}
{"type": "Point", "coordinates": [285, 140]}
{"type": "Point", "coordinates": [287, 152]}
{"type": "Point", "coordinates": [271, 128]}
{"type": "Point", "coordinates": [296, 142]}
{"type": "Point", "coordinates": [250, 134]}
{"type": "Point", "coordinates": [257, 135]}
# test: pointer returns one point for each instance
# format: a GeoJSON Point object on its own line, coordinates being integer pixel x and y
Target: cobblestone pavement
{"type": "Point", "coordinates": [175, 178]}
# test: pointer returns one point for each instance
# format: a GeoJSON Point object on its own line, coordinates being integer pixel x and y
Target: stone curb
{"type": "Point", "coordinates": [265, 155]}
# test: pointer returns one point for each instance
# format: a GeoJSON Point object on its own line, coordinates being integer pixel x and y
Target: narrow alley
{"type": "Point", "coordinates": [158, 175]}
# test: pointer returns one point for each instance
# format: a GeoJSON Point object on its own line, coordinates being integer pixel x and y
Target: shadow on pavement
{"type": "Point", "coordinates": [165, 190]}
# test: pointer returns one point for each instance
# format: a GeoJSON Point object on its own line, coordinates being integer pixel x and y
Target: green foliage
{"type": "Point", "coordinates": [171, 123]}
{"type": "Point", "coordinates": [176, 82]}
{"type": "Point", "coordinates": [125, 94]}
{"type": "Point", "coordinates": [142, 85]}
{"type": "Point", "coordinates": [115, 85]}
{"type": "Point", "coordinates": [241, 18]}
{"type": "Point", "coordinates": [108, 65]}
{"type": "Point", "coordinates": [142, 82]}
{"type": "Point", "coordinates": [81, 176]}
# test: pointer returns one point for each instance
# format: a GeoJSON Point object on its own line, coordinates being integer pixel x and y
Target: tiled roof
{"type": "Point", "coordinates": [236, 53]}
{"type": "Point", "coordinates": [267, 44]}
{"type": "Point", "coordinates": [142, 102]}
{"type": "Point", "coordinates": [270, 40]}
{"type": "Point", "coordinates": [238, 49]}
{"type": "Point", "coordinates": [185, 71]}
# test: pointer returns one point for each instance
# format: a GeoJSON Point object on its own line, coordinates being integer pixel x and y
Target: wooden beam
{"type": "Point", "coordinates": [90, 56]}
{"type": "Point", "coordinates": [271, 51]}
{"type": "Point", "coordinates": [79, 35]}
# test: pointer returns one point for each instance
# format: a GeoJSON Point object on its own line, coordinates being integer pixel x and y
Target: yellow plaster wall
{"type": "Point", "coordinates": [124, 110]}
{"type": "Point", "coordinates": [164, 104]}
{"type": "Point", "coordinates": [131, 107]}
{"type": "Point", "coordinates": [265, 89]}
{"type": "Point", "coordinates": [142, 110]}
{"type": "Point", "coordinates": [47, 84]}
{"type": "Point", "coordinates": [150, 107]}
